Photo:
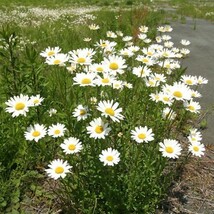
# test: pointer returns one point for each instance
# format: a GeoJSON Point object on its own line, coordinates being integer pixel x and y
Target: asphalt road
{"type": "Point", "coordinates": [200, 62]}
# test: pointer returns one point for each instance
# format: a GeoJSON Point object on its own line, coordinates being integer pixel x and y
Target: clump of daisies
{"type": "Point", "coordinates": [20, 105]}
{"type": "Point", "coordinates": [131, 103]}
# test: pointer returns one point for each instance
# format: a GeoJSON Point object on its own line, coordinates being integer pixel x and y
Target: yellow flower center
{"type": "Point", "coordinates": [36, 101]}
{"type": "Point", "coordinates": [191, 108]}
{"type": "Point", "coordinates": [109, 111]}
{"type": "Point", "coordinates": [19, 106]}
{"type": "Point", "coordinates": [104, 45]}
{"type": "Point", "coordinates": [81, 60]}
{"type": "Point", "coordinates": [56, 62]}
{"type": "Point", "coordinates": [99, 129]}
{"type": "Point", "coordinates": [51, 53]}
{"type": "Point", "coordinates": [105, 80]}
{"type": "Point", "coordinates": [169, 149]}
{"type": "Point", "coordinates": [72, 147]}
{"type": "Point", "coordinates": [113, 66]}
{"type": "Point", "coordinates": [142, 136]}
{"type": "Point", "coordinates": [196, 148]}
{"type": "Point", "coordinates": [110, 158]}
{"type": "Point", "coordinates": [82, 112]}
{"type": "Point", "coordinates": [145, 60]}
{"type": "Point", "coordinates": [166, 99]}
{"type": "Point", "coordinates": [178, 94]}
{"type": "Point", "coordinates": [36, 134]}
{"type": "Point", "coordinates": [157, 97]}
{"type": "Point", "coordinates": [189, 82]}
{"type": "Point", "coordinates": [151, 82]}
{"type": "Point", "coordinates": [167, 66]}
{"type": "Point", "coordinates": [57, 131]}
{"type": "Point", "coordinates": [59, 170]}
{"type": "Point", "coordinates": [149, 53]}
{"type": "Point", "coordinates": [165, 54]}
{"type": "Point", "coordinates": [86, 81]}
{"type": "Point", "coordinates": [99, 69]}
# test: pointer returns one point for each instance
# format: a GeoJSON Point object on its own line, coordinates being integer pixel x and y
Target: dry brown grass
{"type": "Point", "coordinates": [193, 193]}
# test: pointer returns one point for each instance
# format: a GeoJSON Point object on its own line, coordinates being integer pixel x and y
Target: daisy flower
{"type": "Point", "coordinates": [197, 149]}
{"type": "Point", "coordinates": [105, 44]}
{"type": "Point", "coordinates": [105, 80]}
{"type": "Point", "coordinates": [185, 51]}
{"type": "Point", "coordinates": [189, 80]}
{"type": "Point", "coordinates": [134, 49]}
{"type": "Point", "coordinates": [18, 105]}
{"type": "Point", "coordinates": [149, 51]}
{"type": "Point", "coordinates": [152, 82]}
{"type": "Point", "coordinates": [109, 157]}
{"type": "Point", "coordinates": [168, 113]}
{"type": "Point", "coordinates": [142, 134]}
{"type": "Point", "coordinates": [84, 79]}
{"type": "Point", "coordinates": [94, 27]}
{"type": "Point", "coordinates": [155, 97]}
{"type": "Point", "coordinates": [170, 148]}
{"type": "Point", "coordinates": [57, 59]}
{"type": "Point", "coordinates": [202, 80]}
{"type": "Point", "coordinates": [126, 52]}
{"type": "Point", "coordinates": [58, 168]}
{"type": "Point", "coordinates": [168, 28]}
{"type": "Point", "coordinates": [142, 36]}
{"type": "Point", "coordinates": [165, 98]}
{"type": "Point", "coordinates": [81, 57]}
{"type": "Point", "coordinates": [119, 33]}
{"type": "Point", "coordinates": [98, 68]}
{"type": "Point", "coordinates": [195, 94]}
{"type": "Point", "coordinates": [93, 100]}
{"type": "Point", "coordinates": [36, 100]}
{"type": "Point", "coordinates": [168, 44]}
{"type": "Point", "coordinates": [117, 84]}
{"type": "Point", "coordinates": [115, 64]}
{"type": "Point", "coordinates": [71, 145]}
{"type": "Point", "coordinates": [56, 130]}
{"type": "Point", "coordinates": [180, 91]}
{"type": "Point", "coordinates": [52, 111]}
{"type": "Point", "coordinates": [161, 29]}
{"type": "Point", "coordinates": [98, 129]}
{"type": "Point", "coordinates": [72, 68]}
{"type": "Point", "coordinates": [81, 112]}
{"type": "Point", "coordinates": [159, 77]}
{"type": "Point", "coordinates": [147, 40]}
{"type": "Point", "coordinates": [166, 53]}
{"type": "Point", "coordinates": [192, 106]}
{"type": "Point", "coordinates": [166, 37]}
{"type": "Point", "coordinates": [127, 38]}
{"type": "Point", "coordinates": [48, 52]}
{"type": "Point", "coordinates": [35, 132]}
{"type": "Point", "coordinates": [158, 39]}
{"type": "Point", "coordinates": [110, 109]}
{"type": "Point", "coordinates": [141, 71]}
{"type": "Point", "coordinates": [185, 42]}
{"type": "Point", "coordinates": [145, 60]}
{"type": "Point", "coordinates": [111, 34]}
{"type": "Point", "coordinates": [143, 29]}
{"type": "Point", "coordinates": [87, 39]}
{"type": "Point", "coordinates": [194, 136]}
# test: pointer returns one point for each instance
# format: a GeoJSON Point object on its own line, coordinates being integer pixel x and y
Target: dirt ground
{"type": "Point", "coordinates": [193, 192]}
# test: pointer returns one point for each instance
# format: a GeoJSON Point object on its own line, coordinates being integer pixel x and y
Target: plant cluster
{"type": "Point", "coordinates": [107, 124]}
